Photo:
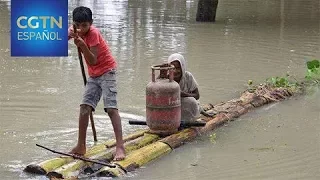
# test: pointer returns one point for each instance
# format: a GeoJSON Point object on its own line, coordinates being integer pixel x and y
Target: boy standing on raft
{"type": "Point", "coordinates": [101, 82]}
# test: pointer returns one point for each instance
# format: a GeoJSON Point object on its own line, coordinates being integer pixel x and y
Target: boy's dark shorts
{"type": "Point", "coordinates": [104, 85]}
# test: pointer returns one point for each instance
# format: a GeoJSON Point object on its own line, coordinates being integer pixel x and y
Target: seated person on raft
{"type": "Point", "coordinates": [190, 108]}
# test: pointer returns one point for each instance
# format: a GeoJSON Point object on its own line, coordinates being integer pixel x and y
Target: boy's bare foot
{"type": "Point", "coordinates": [120, 154]}
{"type": "Point", "coordinates": [79, 150]}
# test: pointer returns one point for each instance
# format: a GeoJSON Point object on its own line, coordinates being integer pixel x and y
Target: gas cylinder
{"type": "Point", "coordinates": [163, 105]}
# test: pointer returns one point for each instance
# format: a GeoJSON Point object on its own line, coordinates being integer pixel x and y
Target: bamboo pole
{"type": "Point", "coordinates": [77, 157]}
{"type": "Point", "coordinates": [248, 100]}
{"type": "Point", "coordinates": [148, 153]}
{"type": "Point", "coordinates": [178, 139]}
{"type": "Point", "coordinates": [144, 155]}
{"type": "Point", "coordinates": [73, 168]}
{"type": "Point", "coordinates": [46, 166]}
{"type": "Point", "coordinates": [136, 159]}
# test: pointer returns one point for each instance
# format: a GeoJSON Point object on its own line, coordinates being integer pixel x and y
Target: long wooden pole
{"type": "Point", "coordinates": [183, 124]}
{"type": "Point", "coordinates": [85, 82]}
{"type": "Point", "coordinates": [78, 157]}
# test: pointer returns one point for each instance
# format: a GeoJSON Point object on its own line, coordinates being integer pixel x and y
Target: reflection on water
{"type": "Point", "coordinates": [254, 39]}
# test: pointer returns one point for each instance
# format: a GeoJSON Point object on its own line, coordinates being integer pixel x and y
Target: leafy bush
{"type": "Point", "coordinates": [313, 72]}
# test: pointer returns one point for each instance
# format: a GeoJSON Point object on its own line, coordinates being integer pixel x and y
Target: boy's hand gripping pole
{"type": "Point", "coordinates": [85, 82]}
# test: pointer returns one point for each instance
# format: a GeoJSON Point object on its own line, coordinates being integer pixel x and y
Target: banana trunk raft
{"type": "Point", "coordinates": [142, 147]}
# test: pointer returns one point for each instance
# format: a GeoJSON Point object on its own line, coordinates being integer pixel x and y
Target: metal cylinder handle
{"type": "Point", "coordinates": [163, 67]}
{"type": "Point", "coordinates": [153, 75]}
{"type": "Point", "coordinates": [171, 71]}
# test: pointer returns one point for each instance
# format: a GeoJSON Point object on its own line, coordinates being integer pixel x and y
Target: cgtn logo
{"type": "Point", "coordinates": [39, 27]}
{"type": "Point", "coordinates": [34, 23]}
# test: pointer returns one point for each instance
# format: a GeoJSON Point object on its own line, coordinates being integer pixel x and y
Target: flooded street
{"type": "Point", "coordinates": [250, 40]}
